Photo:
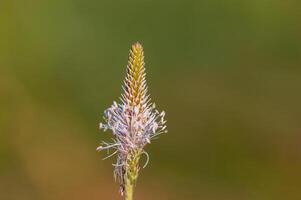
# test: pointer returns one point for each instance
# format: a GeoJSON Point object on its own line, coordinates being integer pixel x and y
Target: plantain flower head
{"type": "Point", "coordinates": [134, 121]}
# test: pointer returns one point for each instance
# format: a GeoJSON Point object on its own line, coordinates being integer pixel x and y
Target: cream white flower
{"type": "Point", "coordinates": [134, 121]}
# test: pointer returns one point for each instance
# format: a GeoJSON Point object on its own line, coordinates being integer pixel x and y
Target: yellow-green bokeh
{"type": "Point", "coordinates": [227, 73]}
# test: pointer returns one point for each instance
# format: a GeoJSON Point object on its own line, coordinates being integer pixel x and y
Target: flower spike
{"type": "Point", "coordinates": [134, 122]}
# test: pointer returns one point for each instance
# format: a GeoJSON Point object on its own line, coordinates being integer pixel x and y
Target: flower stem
{"type": "Point", "coordinates": [131, 174]}
{"type": "Point", "coordinates": [129, 191]}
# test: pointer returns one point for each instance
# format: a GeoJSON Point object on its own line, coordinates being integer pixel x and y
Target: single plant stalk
{"type": "Point", "coordinates": [131, 175]}
{"type": "Point", "coordinates": [134, 123]}
{"type": "Point", "coordinates": [129, 191]}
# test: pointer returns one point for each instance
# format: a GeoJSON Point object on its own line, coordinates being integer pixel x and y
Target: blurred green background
{"type": "Point", "coordinates": [227, 73]}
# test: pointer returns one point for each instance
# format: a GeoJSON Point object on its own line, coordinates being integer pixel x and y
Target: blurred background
{"type": "Point", "coordinates": [227, 73]}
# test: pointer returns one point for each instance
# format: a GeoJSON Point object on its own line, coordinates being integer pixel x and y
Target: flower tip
{"type": "Point", "coordinates": [137, 46]}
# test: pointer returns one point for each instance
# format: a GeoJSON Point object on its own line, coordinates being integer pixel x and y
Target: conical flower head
{"type": "Point", "coordinates": [134, 121]}
{"type": "Point", "coordinates": [135, 84]}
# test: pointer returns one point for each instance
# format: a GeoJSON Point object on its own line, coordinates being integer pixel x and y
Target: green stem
{"type": "Point", "coordinates": [131, 174]}
{"type": "Point", "coordinates": [129, 190]}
